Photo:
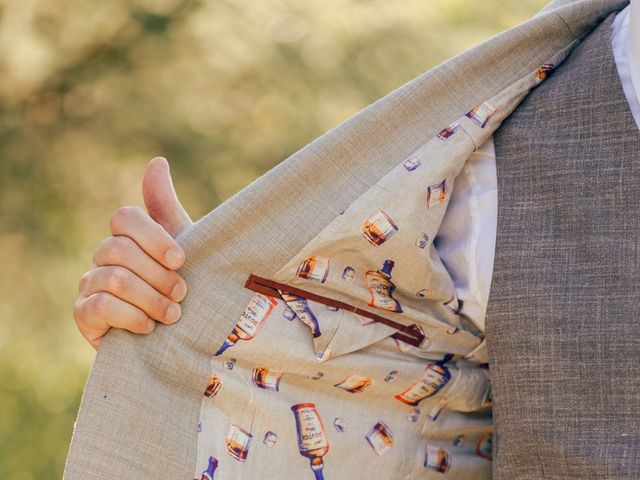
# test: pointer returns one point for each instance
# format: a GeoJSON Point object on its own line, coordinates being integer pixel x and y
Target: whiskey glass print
{"type": "Point", "coordinates": [436, 194]}
{"type": "Point", "coordinates": [484, 446]}
{"type": "Point", "coordinates": [266, 378]}
{"type": "Point", "coordinates": [480, 114]}
{"type": "Point", "coordinates": [237, 442]}
{"type": "Point", "coordinates": [378, 228]}
{"type": "Point", "coordinates": [436, 459]}
{"type": "Point", "coordinates": [380, 438]}
{"type": "Point", "coordinates": [314, 268]}
{"type": "Point", "coordinates": [354, 383]}
{"type": "Point", "coordinates": [446, 132]}
{"type": "Point", "coordinates": [214, 386]}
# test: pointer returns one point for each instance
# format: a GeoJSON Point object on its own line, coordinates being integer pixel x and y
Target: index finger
{"type": "Point", "coordinates": [134, 223]}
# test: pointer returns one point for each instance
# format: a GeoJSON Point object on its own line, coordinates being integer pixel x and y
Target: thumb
{"type": "Point", "coordinates": [160, 197]}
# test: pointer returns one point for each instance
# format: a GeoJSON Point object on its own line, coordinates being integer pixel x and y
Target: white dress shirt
{"type": "Point", "coordinates": [466, 239]}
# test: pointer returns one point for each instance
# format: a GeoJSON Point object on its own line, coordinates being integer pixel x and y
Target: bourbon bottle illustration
{"type": "Point", "coordinates": [312, 439]}
{"type": "Point", "coordinates": [381, 288]}
{"type": "Point", "coordinates": [378, 228]}
{"type": "Point", "coordinates": [300, 307]}
{"type": "Point", "coordinates": [211, 469]}
{"type": "Point", "coordinates": [266, 378]}
{"type": "Point", "coordinates": [314, 268]}
{"type": "Point", "coordinates": [251, 322]}
{"type": "Point", "coordinates": [237, 442]}
{"type": "Point", "coordinates": [380, 438]}
{"type": "Point", "coordinates": [436, 459]}
{"type": "Point", "coordinates": [433, 379]}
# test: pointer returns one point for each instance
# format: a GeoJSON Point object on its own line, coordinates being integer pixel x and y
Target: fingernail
{"type": "Point", "coordinates": [173, 313]}
{"type": "Point", "coordinates": [174, 257]}
{"type": "Point", "coordinates": [179, 291]}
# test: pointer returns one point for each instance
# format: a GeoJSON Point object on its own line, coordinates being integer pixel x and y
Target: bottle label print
{"type": "Point", "coordinates": [436, 194]}
{"type": "Point", "coordinates": [237, 442]}
{"type": "Point", "coordinates": [480, 114]}
{"type": "Point", "coordinates": [266, 378]}
{"type": "Point", "coordinates": [381, 288]}
{"type": "Point", "coordinates": [433, 379]}
{"type": "Point", "coordinates": [484, 446]}
{"type": "Point", "coordinates": [436, 459]}
{"type": "Point", "coordinates": [446, 132]}
{"type": "Point", "coordinates": [312, 439]}
{"type": "Point", "coordinates": [314, 268]}
{"type": "Point", "coordinates": [301, 308]}
{"type": "Point", "coordinates": [213, 387]}
{"type": "Point", "coordinates": [209, 473]}
{"type": "Point", "coordinates": [259, 308]}
{"type": "Point", "coordinates": [378, 228]}
{"type": "Point", "coordinates": [354, 383]}
{"type": "Point", "coordinates": [380, 438]}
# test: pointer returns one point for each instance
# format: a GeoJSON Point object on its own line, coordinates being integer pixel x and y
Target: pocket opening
{"type": "Point", "coordinates": [410, 334]}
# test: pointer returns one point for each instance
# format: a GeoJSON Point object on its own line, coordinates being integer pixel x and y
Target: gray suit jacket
{"type": "Point", "coordinates": [143, 395]}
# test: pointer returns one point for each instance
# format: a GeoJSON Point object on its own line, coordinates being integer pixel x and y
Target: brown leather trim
{"type": "Point", "coordinates": [410, 334]}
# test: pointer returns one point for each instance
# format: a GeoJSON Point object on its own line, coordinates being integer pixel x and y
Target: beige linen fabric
{"type": "Point", "coordinates": [330, 222]}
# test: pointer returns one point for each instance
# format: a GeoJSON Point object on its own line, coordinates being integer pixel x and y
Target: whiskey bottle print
{"type": "Point", "coordinates": [251, 322]}
{"type": "Point", "coordinates": [312, 439]}
{"type": "Point", "coordinates": [433, 379]}
{"type": "Point", "coordinates": [381, 288]}
{"type": "Point", "coordinates": [211, 469]}
{"type": "Point", "coordinates": [300, 307]}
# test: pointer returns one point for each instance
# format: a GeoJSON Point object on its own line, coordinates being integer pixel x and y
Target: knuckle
{"type": "Point", "coordinates": [99, 304]}
{"type": "Point", "coordinates": [122, 217]}
{"type": "Point", "coordinates": [141, 324]}
{"type": "Point", "coordinates": [115, 248]}
{"type": "Point", "coordinates": [160, 305]}
{"type": "Point", "coordinates": [117, 280]}
{"type": "Point", "coordinates": [78, 310]}
{"type": "Point", "coordinates": [83, 281]}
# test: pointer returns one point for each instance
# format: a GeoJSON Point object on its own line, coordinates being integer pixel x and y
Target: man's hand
{"type": "Point", "coordinates": [133, 282]}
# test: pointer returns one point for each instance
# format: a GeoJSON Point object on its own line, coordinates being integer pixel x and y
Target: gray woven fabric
{"type": "Point", "coordinates": [563, 317]}
{"type": "Point", "coordinates": [142, 401]}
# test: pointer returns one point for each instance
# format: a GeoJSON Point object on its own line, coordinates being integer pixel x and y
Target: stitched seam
{"type": "Point", "coordinates": [565, 24]}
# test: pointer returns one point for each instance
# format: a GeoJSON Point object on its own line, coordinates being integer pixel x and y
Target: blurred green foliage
{"type": "Point", "coordinates": [90, 91]}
